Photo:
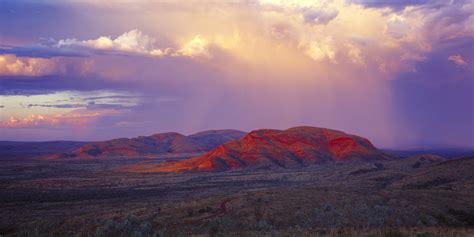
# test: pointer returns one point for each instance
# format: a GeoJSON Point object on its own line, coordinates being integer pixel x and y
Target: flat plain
{"type": "Point", "coordinates": [416, 196]}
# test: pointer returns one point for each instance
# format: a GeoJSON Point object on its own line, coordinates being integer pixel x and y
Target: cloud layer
{"type": "Point", "coordinates": [351, 65]}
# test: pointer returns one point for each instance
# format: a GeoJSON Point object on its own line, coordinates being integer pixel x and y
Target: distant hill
{"type": "Point", "coordinates": [269, 148]}
{"type": "Point", "coordinates": [448, 175]}
{"type": "Point", "coordinates": [161, 143]}
{"type": "Point", "coordinates": [209, 140]}
{"type": "Point", "coordinates": [445, 152]}
{"type": "Point", "coordinates": [25, 150]}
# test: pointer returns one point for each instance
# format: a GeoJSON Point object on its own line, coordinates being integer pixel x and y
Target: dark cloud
{"type": "Point", "coordinates": [50, 51]}
{"type": "Point", "coordinates": [41, 51]}
{"type": "Point", "coordinates": [90, 105]}
{"type": "Point", "coordinates": [449, 22]}
{"type": "Point", "coordinates": [32, 20]}
{"type": "Point", "coordinates": [437, 99]}
{"type": "Point", "coordinates": [150, 76]}
{"type": "Point", "coordinates": [113, 97]}
{"type": "Point", "coordinates": [93, 105]}
{"type": "Point", "coordinates": [27, 19]}
{"type": "Point", "coordinates": [22, 85]}
{"type": "Point", "coordinates": [393, 4]}
{"type": "Point", "coordinates": [319, 16]}
{"type": "Point", "coordinates": [59, 106]}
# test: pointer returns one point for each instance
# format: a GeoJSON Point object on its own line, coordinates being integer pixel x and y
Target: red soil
{"type": "Point", "coordinates": [295, 147]}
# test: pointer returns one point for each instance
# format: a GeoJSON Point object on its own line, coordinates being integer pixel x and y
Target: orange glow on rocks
{"type": "Point", "coordinates": [266, 148]}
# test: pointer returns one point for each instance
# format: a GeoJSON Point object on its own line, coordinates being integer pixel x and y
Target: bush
{"type": "Point", "coordinates": [130, 226]}
{"type": "Point", "coordinates": [263, 225]}
{"type": "Point", "coordinates": [392, 233]}
{"type": "Point", "coordinates": [218, 227]}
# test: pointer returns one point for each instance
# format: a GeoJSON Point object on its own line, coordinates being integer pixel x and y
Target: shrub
{"type": "Point", "coordinates": [130, 226]}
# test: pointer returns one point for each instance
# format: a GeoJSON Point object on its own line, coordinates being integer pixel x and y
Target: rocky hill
{"type": "Point", "coordinates": [161, 143]}
{"type": "Point", "coordinates": [269, 148]}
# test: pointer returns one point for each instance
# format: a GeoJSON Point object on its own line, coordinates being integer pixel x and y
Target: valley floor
{"type": "Point", "coordinates": [94, 198]}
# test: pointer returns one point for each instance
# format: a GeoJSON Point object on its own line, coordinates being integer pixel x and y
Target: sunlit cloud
{"type": "Point", "coordinates": [198, 46]}
{"type": "Point", "coordinates": [285, 63]}
{"type": "Point", "coordinates": [21, 106]}
{"type": "Point", "coordinates": [457, 59]}
{"type": "Point", "coordinates": [322, 50]}
{"type": "Point", "coordinates": [397, 27]}
{"type": "Point", "coordinates": [355, 54]}
{"type": "Point", "coordinates": [75, 118]}
{"type": "Point", "coordinates": [12, 65]}
{"type": "Point", "coordinates": [323, 31]}
{"type": "Point", "coordinates": [133, 41]}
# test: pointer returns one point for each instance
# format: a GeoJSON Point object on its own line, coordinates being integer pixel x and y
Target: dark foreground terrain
{"type": "Point", "coordinates": [417, 196]}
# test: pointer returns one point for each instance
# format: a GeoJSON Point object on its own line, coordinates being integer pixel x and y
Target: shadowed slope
{"type": "Point", "coordinates": [161, 143]}
{"type": "Point", "coordinates": [456, 174]}
{"type": "Point", "coordinates": [209, 140]}
{"type": "Point", "coordinates": [267, 148]}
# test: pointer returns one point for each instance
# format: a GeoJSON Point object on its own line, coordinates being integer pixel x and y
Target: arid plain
{"type": "Point", "coordinates": [422, 195]}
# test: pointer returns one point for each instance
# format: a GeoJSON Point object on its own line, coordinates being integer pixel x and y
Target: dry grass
{"type": "Point", "coordinates": [412, 232]}
{"type": "Point", "coordinates": [89, 199]}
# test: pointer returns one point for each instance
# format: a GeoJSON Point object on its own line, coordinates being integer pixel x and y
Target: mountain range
{"type": "Point", "coordinates": [149, 146]}
{"type": "Point", "coordinates": [271, 148]}
{"type": "Point", "coordinates": [215, 150]}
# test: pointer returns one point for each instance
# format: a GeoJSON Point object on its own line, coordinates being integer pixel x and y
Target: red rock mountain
{"type": "Point", "coordinates": [267, 148]}
{"type": "Point", "coordinates": [162, 143]}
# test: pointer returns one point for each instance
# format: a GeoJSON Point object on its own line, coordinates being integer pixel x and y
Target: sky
{"type": "Point", "coordinates": [397, 72]}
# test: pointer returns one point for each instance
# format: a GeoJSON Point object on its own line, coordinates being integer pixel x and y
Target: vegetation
{"type": "Point", "coordinates": [91, 198]}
